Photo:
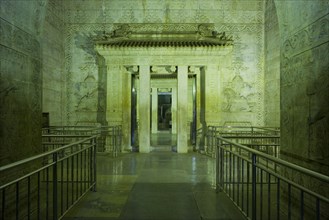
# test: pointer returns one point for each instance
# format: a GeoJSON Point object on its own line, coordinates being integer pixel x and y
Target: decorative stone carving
{"type": "Point", "coordinates": [163, 69]}
{"type": "Point", "coordinates": [248, 26]}
{"type": "Point", "coordinates": [239, 96]}
{"type": "Point", "coordinates": [128, 35]}
{"type": "Point", "coordinates": [311, 36]}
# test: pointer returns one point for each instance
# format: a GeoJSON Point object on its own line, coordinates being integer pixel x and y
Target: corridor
{"type": "Point", "coordinates": [158, 185]}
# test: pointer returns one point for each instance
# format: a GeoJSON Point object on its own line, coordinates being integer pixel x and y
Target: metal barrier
{"type": "Point", "coordinates": [262, 138]}
{"type": "Point", "coordinates": [199, 145]}
{"type": "Point", "coordinates": [56, 182]}
{"type": "Point", "coordinates": [265, 187]}
{"type": "Point", "coordinates": [71, 130]}
{"type": "Point", "coordinates": [113, 139]}
{"type": "Point", "coordinates": [109, 137]}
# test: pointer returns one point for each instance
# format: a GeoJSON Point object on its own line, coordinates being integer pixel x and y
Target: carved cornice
{"type": "Point", "coordinates": [309, 37]}
{"type": "Point", "coordinates": [159, 35]}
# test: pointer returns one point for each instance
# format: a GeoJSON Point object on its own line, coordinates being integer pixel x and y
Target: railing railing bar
{"type": "Point", "coordinates": [242, 184]}
{"type": "Point", "coordinates": [249, 136]}
{"type": "Point", "coordinates": [75, 153]}
{"type": "Point", "coordinates": [218, 168]}
{"type": "Point", "coordinates": [294, 184]}
{"type": "Point", "coordinates": [17, 200]}
{"type": "Point", "coordinates": [278, 200]}
{"type": "Point", "coordinates": [76, 201]}
{"type": "Point", "coordinates": [317, 209]}
{"type": "Point", "coordinates": [301, 205]}
{"type": "Point", "coordinates": [28, 197]}
{"type": "Point", "coordinates": [238, 179]}
{"type": "Point", "coordinates": [62, 185]}
{"type": "Point", "coordinates": [64, 135]}
{"type": "Point", "coordinates": [289, 201]}
{"type": "Point", "coordinates": [280, 161]}
{"type": "Point", "coordinates": [72, 179]}
{"type": "Point", "coordinates": [230, 175]}
{"type": "Point", "coordinates": [269, 197]}
{"type": "Point", "coordinates": [55, 185]}
{"type": "Point", "coordinates": [254, 189]}
{"type": "Point", "coordinates": [25, 176]}
{"type": "Point", "coordinates": [77, 176]}
{"type": "Point", "coordinates": [38, 202]}
{"type": "Point", "coordinates": [47, 191]}
{"type": "Point", "coordinates": [233, 172]}
{"type": "Point", "coordinates": [3, 204]}
{"type": "Point", "coordinates": [67, 183]}
{"type": "Point", "coordinates": [85, 170]}
{"type": "Point", "coordinates": [248, 182]}
{"type": "Point", "coordinates": [226, 170]}
{"type": "Point", "coordinates": [94, 164]}
{"type": "Point", "coordinates": [260, 145]}
{"type": "Point", "coordinates": [236, 154]}
{"type": "Point", "coordinates": [20, 162]}
{"type": "Point", "coordinates": [261, 194]}
{"type": "Point", "coordinates": [81, 174]}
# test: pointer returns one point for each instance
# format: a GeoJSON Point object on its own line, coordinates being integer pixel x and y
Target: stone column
{"type": "Point", "coordinates": [114, 95]}
{"type": "Point", "coordinates": [174, 110]}
{"type": "Point", "coordinates": [182, 107]}
{"type": "Point", "coordinates": [126, 110]}
{"type": "Point", "coordinates": [154, 110]}
{"type": "Point", "coordinates": [144, 109]}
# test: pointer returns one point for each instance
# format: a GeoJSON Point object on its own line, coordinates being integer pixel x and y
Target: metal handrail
{"type": "Point", "coordinates": [240, 169]}
{"type": "Point", "coordinates": [52, 188]}
{"type": "Point", "coordinates": [244, 134]}
{"type": "Point", "coordinates": [304, 170]}
{"type": "Point", "coordinates": [32, 158]}
{"type": "Point", "coordinates": [109, 139]}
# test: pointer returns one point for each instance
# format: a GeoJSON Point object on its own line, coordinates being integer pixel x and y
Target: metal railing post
{"type": "Point", "coordinates": [113, 142]}
{"type": "Point", "coordinates": [91, 165]}
{"type": "Point", "coordinates": [55, 205]}
{"type": "Point", "coordinates": [94, 162]}
{"type": "Point", "coordinates": [217, 168]}
{"type": "Point", "coordinates": [253, 183]}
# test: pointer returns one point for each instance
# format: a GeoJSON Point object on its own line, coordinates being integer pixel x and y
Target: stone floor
{"type": "Point", "coordinates": [164, 141]}
{"type": "Point", "coordinates": [158, 185]}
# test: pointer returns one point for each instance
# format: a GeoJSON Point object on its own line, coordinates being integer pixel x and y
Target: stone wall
{"type": "Point", "coordinates": [272, 67]}
{"type": "Point", "coordinates": [304, 82]}
{"type": "Point", "coordinates": [52, 43]}
{"type": "Point", "coordinates": [21, 79]}
{"type": "Point", "coordinates": [32, 58]}
{"type": "Point", "coordinates": [243, 20]}
{"type": "Point", "coordinates": [304, 88]}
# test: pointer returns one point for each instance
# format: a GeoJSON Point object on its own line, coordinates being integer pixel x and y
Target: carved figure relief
{"type": "Point", "coordinates": [239, 96]}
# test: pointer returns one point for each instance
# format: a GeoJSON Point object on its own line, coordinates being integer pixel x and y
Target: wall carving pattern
{"type": "Point", "coordinates": [20, 92]}
{"type": "Point", "coordinates": [309, 37]}
{"type": "Point", "coordinates": [247, 63]}
{"type": "Point", "coordinates": [304, 74]}
{"type": "Point", "coordinates": [272, 63]}
{"type": "Point", "coordinates": [164, 16]}
{"type": "Point", "coordinates": [246, 28]}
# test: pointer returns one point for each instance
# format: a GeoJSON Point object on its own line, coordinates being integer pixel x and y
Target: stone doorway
{"type": "Point", "coordinates": [180, 50]}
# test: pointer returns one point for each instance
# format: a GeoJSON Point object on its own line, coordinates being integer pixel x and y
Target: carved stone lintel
{"type": "Point", "coordinates": [164, 32]}
{"type": "Point", "coordinates": [163, 69]}
{"type": "Point", "coordinates": [132, 69]}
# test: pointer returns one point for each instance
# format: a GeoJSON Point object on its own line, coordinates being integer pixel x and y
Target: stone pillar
{"type": "Point", "coordinates": [126, 110]}
{"type": "Point", "coordinates": [144, 109]}
{"type": "Point", "coordinates": [182, 107]}
{"type": "Point", "coordinates": [154, 110]}
{"type": "Point", "coordinates": [114, 95]}
{"type": "Point", "coordinates": [174, 110]}
{"type": "Point", "coordinates": [198, 97]}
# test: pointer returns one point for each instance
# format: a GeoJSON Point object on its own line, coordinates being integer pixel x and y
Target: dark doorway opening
{"type": "Point", "coordinates": [164, 111]}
